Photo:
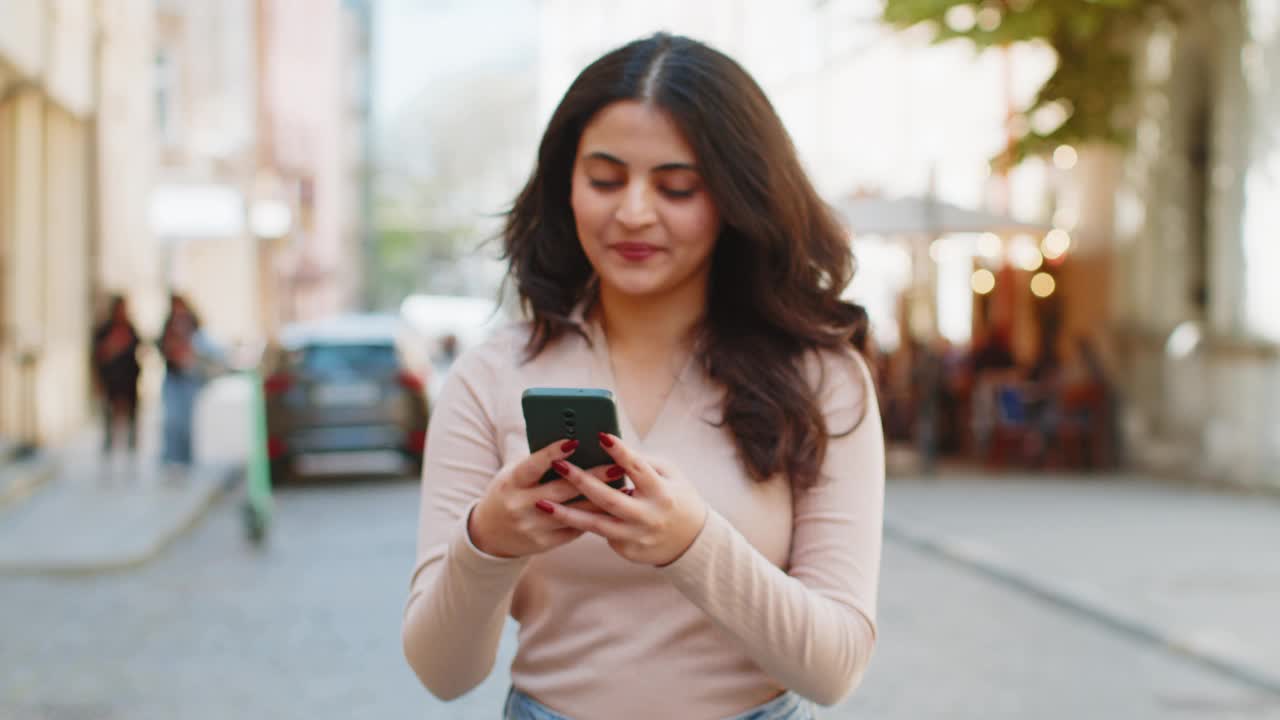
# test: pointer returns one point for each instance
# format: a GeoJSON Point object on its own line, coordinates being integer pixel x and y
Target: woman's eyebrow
{"type": "Point", "coordinates": [598, 155]}
{"type": "Point", "coordinates": [677, 166]}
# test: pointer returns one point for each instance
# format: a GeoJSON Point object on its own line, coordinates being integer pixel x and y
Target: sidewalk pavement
{"type": "Point", "coordinates": [19, 478]}
{"type": "Point", "coordinates": [75, 510]}
{"type": "Point", "coordinates": [1194, 571]}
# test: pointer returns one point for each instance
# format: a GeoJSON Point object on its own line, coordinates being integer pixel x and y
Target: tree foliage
{"type": "Point", "coordinates": [1095, 41]}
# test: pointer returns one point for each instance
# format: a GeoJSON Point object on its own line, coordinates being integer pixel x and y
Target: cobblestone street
{"type": "Point", "coordinates": [309, 628]}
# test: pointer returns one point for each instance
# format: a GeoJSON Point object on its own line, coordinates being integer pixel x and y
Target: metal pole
{"type": "Point", "coordinates": [258, 505]}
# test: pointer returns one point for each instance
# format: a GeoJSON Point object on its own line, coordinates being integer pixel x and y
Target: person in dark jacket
{"type": "Point", "coordinates": [116, 371]}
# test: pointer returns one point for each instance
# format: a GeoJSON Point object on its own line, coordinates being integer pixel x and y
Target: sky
{"type": "Point", "coordinates": [418, 42]}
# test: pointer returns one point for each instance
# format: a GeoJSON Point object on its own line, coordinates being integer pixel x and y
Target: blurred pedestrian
{"type": "Point", "coordinates": [669, 247]}
{"type": "Point", "coordinates": [928, 390]}
{"type": "Point", "coordinates": [1042, 403]}
{"type": "Point", "coordinates": [116, 371]}
{"type": "Point", "coordinates": [1092, 403]}
{"type": "Point", "coordinates": [995, 386]}
{"type": "Point", "coordinates": [994, 351]}
{"type": "Point", "coordinates": [183, 378]}
{"type": "Point", "coordinates": [448, 349]}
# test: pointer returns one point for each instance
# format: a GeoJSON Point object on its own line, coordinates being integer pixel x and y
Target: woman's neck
{"type": "Point", "coordinates": [652, 327]}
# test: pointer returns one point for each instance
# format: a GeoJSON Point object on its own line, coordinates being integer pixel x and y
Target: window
{"type": "Point", "coordinates": [348, 360]}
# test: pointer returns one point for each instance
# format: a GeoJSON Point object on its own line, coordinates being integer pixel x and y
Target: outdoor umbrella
{"type": "Point", "coordinates": [924, 216]}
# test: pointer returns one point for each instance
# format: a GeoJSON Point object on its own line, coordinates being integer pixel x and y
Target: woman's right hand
{"type": "Point", "coordinates": [507, 523]}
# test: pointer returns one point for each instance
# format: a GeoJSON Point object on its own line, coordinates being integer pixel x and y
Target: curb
{"type": "Point", "coordinates": [988, 563]}
{"type": "Point", "coordinates": [31, 474]}
{"type": "Point", "coordinates": [220, 480]}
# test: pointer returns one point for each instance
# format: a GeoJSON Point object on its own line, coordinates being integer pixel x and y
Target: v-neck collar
{"type": "Point", "coordinates": [602, 374]}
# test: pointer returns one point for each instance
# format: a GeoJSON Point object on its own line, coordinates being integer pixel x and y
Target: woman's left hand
{"type": "Point", "coordinates": [654, 523]}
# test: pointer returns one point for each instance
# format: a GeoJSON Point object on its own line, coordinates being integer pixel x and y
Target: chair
{"type": "Point", "coordinates": [1000, 420]}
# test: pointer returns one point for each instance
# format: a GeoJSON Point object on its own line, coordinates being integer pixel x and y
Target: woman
{"type": "Point", "coordinates": [116, 370]}
{"type": "Point", "coordinates": [670, 248]}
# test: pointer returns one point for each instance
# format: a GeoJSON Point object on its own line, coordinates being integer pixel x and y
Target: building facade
{"type": "Point", "coordinates": [134, 159]}
{"type": "Point", "coordinates": [312, 115]}
{"type": "Point", "coordinates": [1197, 304]}
{"type": "Point", "coordinates": [46, 100]}
{"type": "Point", "coordinates": [258, 194]}
{"type": "Point", "coordinates": [204, 82]}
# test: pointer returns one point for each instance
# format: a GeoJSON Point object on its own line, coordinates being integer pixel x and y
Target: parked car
{"type": "Point", "coordinates": [340, 400]}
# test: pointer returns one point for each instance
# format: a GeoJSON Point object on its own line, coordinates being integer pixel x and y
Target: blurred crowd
{"type": "Point", "coordinates": [978, 403]}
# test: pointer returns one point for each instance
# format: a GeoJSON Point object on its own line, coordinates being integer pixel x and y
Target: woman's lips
{"type": "Point", "coordinates": [635, 252]}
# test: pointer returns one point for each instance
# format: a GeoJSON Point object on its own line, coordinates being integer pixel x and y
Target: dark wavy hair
{"type": "Point", "coordinates": [778, 268]}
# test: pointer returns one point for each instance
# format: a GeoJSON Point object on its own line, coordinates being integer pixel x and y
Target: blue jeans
{"type": "Point", "coordinates": [787, 706]}
{"type": "Point", "coordinates": [178, 395]}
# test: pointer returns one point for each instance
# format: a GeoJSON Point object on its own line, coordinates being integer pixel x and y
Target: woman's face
{"type": "Point", "coordinates": [646, 222]}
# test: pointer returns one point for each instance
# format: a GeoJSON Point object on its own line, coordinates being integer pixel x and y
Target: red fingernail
{"type": "Point", "coordinates": [569, 446]}
{"type": "Point", "coordinates": [615, 472]}
{"type": "Point", "coordinates": [545, 506]}
{"type": "Point", "coordinates": [560, 467]}
{"type": "Point", "coordinates": [629, 491]}
{"type": "Point", "coordinates": [605, 440]}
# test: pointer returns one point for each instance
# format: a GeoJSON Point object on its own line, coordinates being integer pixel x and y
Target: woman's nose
{"type": "Point", "coordinates": [637, 208]}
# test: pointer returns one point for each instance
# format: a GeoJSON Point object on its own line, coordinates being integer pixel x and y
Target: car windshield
{"type": "Point", "coordinates": [361, 360]}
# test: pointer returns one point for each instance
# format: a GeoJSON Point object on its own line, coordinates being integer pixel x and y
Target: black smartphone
{"type": "Point", "coordinates": [552, 414]}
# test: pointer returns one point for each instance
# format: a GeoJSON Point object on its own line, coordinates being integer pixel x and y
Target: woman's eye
{"type": "Point", "coordinates": [605, 184]}
{"type": "Point", "coordinates": [678, 194]}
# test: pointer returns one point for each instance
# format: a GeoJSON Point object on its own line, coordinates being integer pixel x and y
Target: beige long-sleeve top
{"type": "Point", "coordinates": [777, 592]}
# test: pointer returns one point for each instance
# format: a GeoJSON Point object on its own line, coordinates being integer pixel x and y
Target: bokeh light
{"type": "Point", "coordinates": [989, 18]}
{"type": "Point", "coordinates": [961, 18]}
{"type": "Point", "coordinates": [983, 281]}
{"type": "Point", "coordinates": [1043, 285]}
{"type": "Point", "coordinates": [1025, 253]}
{"type": "Point", "coordinates": [1065, 157]}
{"type": "Point", "coordinates": [1056, 244]}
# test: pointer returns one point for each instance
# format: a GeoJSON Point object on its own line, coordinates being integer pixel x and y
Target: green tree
{"type": "Point", "coordinates": [416, 257]}
{"type": "Point", "coordinates": [1091, 89]}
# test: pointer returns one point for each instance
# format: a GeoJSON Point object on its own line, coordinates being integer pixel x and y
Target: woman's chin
{"type": "Point", "coordinates": [634, 284]}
